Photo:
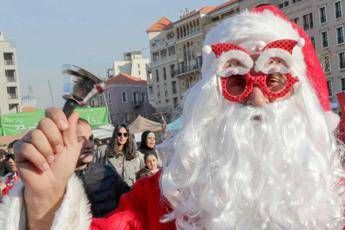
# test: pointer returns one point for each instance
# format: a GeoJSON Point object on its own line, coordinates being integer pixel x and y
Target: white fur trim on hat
{"type": "Point", "coordinates": [269, 53]}
{"type": "Point", "coordinates": [300, 42]}
{"type": "Point", "coordinates": [207, 49]}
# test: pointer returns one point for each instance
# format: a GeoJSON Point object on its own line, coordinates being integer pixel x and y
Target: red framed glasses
{"type": "Point", "coordinates": [237, 88]}
{"type": "Point", "coordinates": [268, 70]}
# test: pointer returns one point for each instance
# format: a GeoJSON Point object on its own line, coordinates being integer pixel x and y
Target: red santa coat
{"type": "Point", "coordinates": [141, 208]}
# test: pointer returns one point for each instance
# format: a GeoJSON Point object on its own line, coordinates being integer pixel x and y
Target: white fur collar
{"type": "Point", "coordinates": [74, 212]}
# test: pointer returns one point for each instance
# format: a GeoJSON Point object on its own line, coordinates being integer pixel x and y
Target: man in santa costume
{"type": "Point", "coordinates": [257, 149]}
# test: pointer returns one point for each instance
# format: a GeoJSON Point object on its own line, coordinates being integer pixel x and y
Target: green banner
{"type": "Point", "coordinates": [96, 116]}
{"type": "Point", "coordinates": [17, 123]}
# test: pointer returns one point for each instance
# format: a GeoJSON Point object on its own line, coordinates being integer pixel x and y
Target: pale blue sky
{"type": "Point", "coordinates": [91, 34]}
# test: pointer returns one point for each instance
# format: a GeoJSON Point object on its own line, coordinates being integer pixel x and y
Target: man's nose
{"type": "Point", "coordinates": [257, 98]}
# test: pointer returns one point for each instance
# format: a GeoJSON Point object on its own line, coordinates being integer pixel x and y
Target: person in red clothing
{"type": "Point", "coordinates": [11, 178]}
{"type": "Point", "coordinates": [257, 148]}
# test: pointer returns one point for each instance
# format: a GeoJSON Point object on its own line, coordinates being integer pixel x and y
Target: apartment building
{"type": "Point", "coordinates": [176, 54]}
{"type": "Point", "coordinates": [163, 85]}
{"type": "Point", "coordinates": [9, 78]}
{"type": "Point", "coordinates": [132, 64]}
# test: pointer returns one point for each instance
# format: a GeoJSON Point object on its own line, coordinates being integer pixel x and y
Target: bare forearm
{"type": "Point", "coordinates": [41, 209]}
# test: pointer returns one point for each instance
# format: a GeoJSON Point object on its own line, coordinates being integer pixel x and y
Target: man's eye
{"type": "Point", "coordinates": [80, 139]}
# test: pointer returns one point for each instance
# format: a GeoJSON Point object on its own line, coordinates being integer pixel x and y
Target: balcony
{"type": "Point", "coordinates": [186, 70]}
{"type": "Point", "coordinates": [9, 62]}
{"type": "Point", "coordinates": [12, 96]}
{"type": "Point", "coordinates": [11, 79]}
{"type": "Point", "coordinates": [10, 75]}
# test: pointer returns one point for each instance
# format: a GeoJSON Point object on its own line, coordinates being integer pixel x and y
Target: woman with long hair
{"type": "Point", "coordinates": [121, 153]}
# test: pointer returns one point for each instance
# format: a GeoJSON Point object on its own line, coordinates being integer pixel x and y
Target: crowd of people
{"type": "Point", "coordinates": [258, 148]}
{"type": "Point", "coordinates": [8, 170]}
{"type": "Point", "coordinates": [106, 170]}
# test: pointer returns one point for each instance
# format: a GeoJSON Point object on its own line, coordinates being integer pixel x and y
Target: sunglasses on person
{"type": "Point", "coordinates": [10, 156]}
{"type": "Point", "coordinates": [119, 134]}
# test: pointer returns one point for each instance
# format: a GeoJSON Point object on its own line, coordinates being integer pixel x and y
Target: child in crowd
{"type": "Point", "coordinates": [151, 165]}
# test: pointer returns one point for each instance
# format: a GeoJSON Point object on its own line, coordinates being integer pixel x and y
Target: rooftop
{"type": "Point", "coordinates": [125, 79]}
{"type": "Point", "coordinates": [160, 25]}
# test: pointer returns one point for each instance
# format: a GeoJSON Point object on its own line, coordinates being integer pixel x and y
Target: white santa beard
{"type": "Point", "coordinates": [232, 172]}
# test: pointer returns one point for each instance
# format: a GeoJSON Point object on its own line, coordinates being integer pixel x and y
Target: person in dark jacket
{"type": "Point", "coordinates": [2, 163]}
{"type": "Point", "coordinates": [102, 183]}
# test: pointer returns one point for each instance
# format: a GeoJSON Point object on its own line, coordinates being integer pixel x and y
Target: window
{"type": "Point", "coordinates": [136, 97]}
{"type": "Point", "coordinates": [158, 92]}
{"type": "Point", "coordinates": [100, 100]}
{"type": "Point", "coordinates": [343, 84]}
{"type": "Point", "coordinates": [312, 41]}
{"type": "Point", "coordinates": [308, 21]}
{"type": "Point", "coordinates": [329, 86]}
{"type": "Point", "coordinates": [175, 102]}
{"type": "Point", "coordinates": [155, 56]}
{"type": "Point", "coordinates": [143, 97]}
{"type": "Point", "coordinates": [323, 17]}
{"type": "Point", "coordinates": [174, 89]}
{"type": "Point", "coordinates": [8, 57]}
{"type": "Point", "coordinates": [10, 75]}
{"type": "Point", "coordinates": [151, 92]}
{"type": "Point", "coordinates": [165, 90]}
{"type": "Point", "coordinates": [172, 70]}
{"type": "Point", "coordinates": [337, 9]}
{"type": "Point", "coordinates": [283, 4]}
{"type": "Point", "coordinates": [12, 92]}
{"type": "Point", "coordinates": [326, 64]}
{"type": "Point", "coordinates": [340, 34]}
{"type": "Point", "coordinates": [124, 97]}
{"type": "Point", "coordinates": [164, 74]}
{"type": "Point", "coordinates": [109, 98]}
{"type": "Point", "coordinates": [341, 60]}
{"type": "Point", "coordinates": [163, 53]}
{"type": "Point", "coordinates": [295, 1]}
{"type": "Point", "coordinates": [157, 75]}
{"type": "Point", "coordinates": [324, 39]}
{"type": "Point", "coordinates": [171, 50]}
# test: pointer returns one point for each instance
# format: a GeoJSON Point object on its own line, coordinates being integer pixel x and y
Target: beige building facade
{"type": "Point", "coordinates": [163, 88]}
{"type": "Point", "coordinates": [9, 78]}
{"type": "Point", "coordinates": [133, 64]}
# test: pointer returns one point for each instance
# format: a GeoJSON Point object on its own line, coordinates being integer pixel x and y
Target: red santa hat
{"type": "Point", "coordinates": [314, 71]}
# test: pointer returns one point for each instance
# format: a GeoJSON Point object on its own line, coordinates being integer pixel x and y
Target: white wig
{"type": "Point", "coordinates": [224, 170]}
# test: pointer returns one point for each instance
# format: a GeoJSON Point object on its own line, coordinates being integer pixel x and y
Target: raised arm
{"type": "Point", "coordinates": [46, 158]}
